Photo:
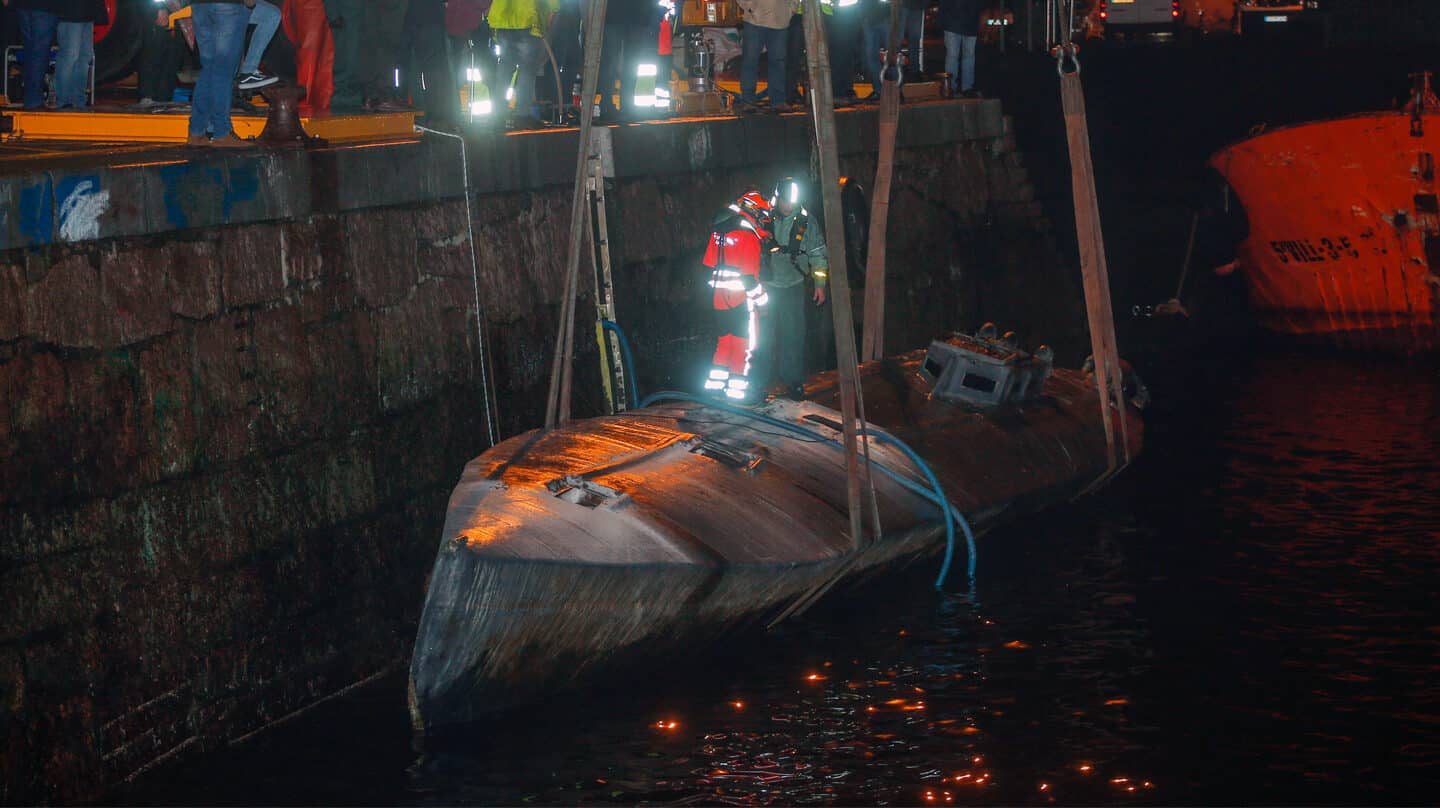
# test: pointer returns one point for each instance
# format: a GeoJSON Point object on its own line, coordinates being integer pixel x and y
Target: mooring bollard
{"type": "Point", "coordinates": [282, 125]}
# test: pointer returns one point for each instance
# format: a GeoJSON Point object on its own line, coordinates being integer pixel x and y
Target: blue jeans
{"type": "Point", "coordinates": [266, 19]}
{"type": "Point", "coordinates": [960, 68]}
{"type": "Point", "coordinates": [72, 64]}
{"type": "Point", "coordinates": [219, 37]}
{"type": "Point", "coordinates": [37, 30]}
{"type": "Point", "coordinates": [755, 38]}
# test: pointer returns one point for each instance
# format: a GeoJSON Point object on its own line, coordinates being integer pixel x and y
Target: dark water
{"type": "Point", "coordinates": [1247, 616]}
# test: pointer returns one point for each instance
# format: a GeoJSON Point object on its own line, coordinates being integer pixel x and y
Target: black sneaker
{"type": "Point", "coordinates": [256, 80]}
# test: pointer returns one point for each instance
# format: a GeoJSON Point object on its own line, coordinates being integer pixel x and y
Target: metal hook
{"type": "Point", "coordinates": [1067, 49]}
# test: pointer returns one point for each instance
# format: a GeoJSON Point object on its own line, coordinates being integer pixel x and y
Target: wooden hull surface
{"type": "Point", "coordinates": [1344, 228]}
{"type": "Point", "coordinates": [564, 547]}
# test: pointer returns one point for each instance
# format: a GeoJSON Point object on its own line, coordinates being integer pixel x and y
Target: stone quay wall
{"type": "Point", "coordinates": [236, 389]}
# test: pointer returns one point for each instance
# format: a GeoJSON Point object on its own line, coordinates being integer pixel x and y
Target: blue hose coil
{"type": "Point", "coordinates": [934, 495]}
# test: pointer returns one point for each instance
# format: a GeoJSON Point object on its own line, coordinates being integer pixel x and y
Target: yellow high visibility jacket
{"type": "Point", "coordinates": [518, 14]}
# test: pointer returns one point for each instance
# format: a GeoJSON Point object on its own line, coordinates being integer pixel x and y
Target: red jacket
{"type": "Point", "coordinates": [738, 275]}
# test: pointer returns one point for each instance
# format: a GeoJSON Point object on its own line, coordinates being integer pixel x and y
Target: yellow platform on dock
{"type": "Point", "coordinates": [128, 126]}
{"type": "Point", "coordinates": [913, 91]}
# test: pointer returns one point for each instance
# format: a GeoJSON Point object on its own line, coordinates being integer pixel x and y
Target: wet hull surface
{"type": "Point", "coordinates": [563, 548]}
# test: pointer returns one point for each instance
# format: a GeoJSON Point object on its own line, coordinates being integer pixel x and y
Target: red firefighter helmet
{"type": "Point", "coordinates": [755, 209]}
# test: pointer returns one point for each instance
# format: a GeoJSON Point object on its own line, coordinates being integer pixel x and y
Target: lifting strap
{"type": "Point", "coordinates": [557, 405]}
{"type": "Point", "coordinates": [873, 333]}
{"type": "Point", "coordinates": [1095, 275]}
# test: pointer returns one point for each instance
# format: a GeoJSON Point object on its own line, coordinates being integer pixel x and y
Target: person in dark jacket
{"type": "Point", "coordinates": [39, 20]}
{"type": "Point", "coordinates": [960, 19]}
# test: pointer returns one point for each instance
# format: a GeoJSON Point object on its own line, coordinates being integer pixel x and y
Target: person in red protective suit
{"type": "Point", "coordinates": [309, 28]}
{"type": "Point", "coordinates": [734, 259]}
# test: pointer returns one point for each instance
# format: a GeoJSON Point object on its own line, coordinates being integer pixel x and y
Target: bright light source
{"type": "Point", "coordinates": [481, 107]}
{"type": "Point", "coordinates": [472, 74]}
{"type": "Point", "coordinates": [509, 93]}
{"type": "Point", "coordinates": [647, 70]}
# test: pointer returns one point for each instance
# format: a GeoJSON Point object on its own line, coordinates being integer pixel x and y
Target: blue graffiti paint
{"type": "Point", "coordinates": [37, 213]}
{"type": "Point", "coordinates": [244, 184]}
{"type": "Point", "coordinates": [192, 189]}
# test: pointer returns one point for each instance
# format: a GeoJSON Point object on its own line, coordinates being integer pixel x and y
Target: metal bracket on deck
{"type": "Point", "coordinates": [744, 462]}
{"type": "Point", "coordinates": [587, 494]}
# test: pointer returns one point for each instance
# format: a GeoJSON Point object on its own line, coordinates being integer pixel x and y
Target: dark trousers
{"type": "Point", "coordinates": [161, 54]}
{"type": "Point", "coordinates": [786, 330]}
{"type": "Point", "coordinates": [388, 46]}
{"type": "Point", "coordinates": [429, 73]}
{"type": "Point", "coordinates": [755, 38]}
{"type": "Point", "coordinates": [843, 37]}
{"type": "Point", "coordinates": [564, 37]}
{"type": "Point", "coordinates": [625, 47]}
{"type": "Point", "coordinates": [347, 28]}
{"type": "Point", "coordinates": [796, 70]}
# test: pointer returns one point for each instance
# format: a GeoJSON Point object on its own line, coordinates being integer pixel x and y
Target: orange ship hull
{"type": "Point", "coordinates": [1344, 228]}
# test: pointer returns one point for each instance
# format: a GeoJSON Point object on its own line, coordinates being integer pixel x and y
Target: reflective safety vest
{"type": "Point", "coordinates": [734, 258]}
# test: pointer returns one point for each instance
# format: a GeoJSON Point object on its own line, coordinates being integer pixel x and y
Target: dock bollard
{"type": "Point", "coordinates": [282, 125]}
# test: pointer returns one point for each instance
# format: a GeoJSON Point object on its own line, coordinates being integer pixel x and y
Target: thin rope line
{"type": "Point", "coordinates": [475, 280]}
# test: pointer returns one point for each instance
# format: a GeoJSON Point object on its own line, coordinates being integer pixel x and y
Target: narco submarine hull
{"type": "Point", "coordinates": [563, 548]}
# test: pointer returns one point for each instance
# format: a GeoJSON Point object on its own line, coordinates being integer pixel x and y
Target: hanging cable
{"type": "Point", "coordinates": [490, 431]}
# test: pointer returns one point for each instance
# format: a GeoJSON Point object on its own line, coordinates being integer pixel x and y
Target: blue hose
{"type": "Point", "coordinates": [951, 514]}
{"type": "Point", "coordinates": [935, 495]}
{"type": "Point", "coordinates": [627, 356]}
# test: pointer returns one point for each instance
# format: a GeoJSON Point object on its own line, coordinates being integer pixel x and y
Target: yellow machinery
{"type": "Point", "coordinates": [123, 126]}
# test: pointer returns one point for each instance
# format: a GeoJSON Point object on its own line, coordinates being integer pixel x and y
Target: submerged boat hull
{"type": "Point", "coordinates": [566, 547]}
{"type": "Point", "coordinates": [1344, 227]}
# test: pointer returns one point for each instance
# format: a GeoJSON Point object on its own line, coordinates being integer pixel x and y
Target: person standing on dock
{"type": "Point", "coordinates": [265, 16]}
{"type": "Point", "coordinates": [733, 258]}
{"type": "Point", "coordinates": [519, 26]}
{"type": "Point", "coordinates": [798, 254]}
{"type": "Point", "coordinates": [76, 34]}
{"type": "Point", "coordinates": [629, 42]}
{"type": "Point", "coordinates": [842, 35]}
{"type": "Point", "coordinates": [38, 21]}
{"type": "Point", "coordinates": [766, 27]}
{"type": "Point", "coordinates": [960, 19]}
{"type": "Point", "coordinates": [307, 25]}
{"type": "Point", "coordinates": [220, 38]}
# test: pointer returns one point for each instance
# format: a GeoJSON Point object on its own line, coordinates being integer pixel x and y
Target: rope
{"type": "Point", "coordinates": [475, 280]}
